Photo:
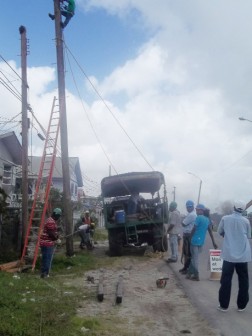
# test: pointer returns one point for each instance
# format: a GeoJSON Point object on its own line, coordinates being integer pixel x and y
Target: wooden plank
{"type": "Point", "coordinates": [13, 270]}
{"type": "Point", "coordinates": [12, 264]}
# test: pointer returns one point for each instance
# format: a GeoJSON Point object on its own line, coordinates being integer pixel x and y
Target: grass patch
{"type": "Point", "coordinates": [48, 307]}
{"type": "Point", "coordinates": [100, 234]}
{"type": "Point", "coordinates": [32, 306]}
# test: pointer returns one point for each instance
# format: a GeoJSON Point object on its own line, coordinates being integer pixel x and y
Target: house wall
{"type": "Point", "coordinates": [7, 170]}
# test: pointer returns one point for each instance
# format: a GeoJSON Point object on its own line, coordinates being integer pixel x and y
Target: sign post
{"type": "Point", "coordinates": [215, 264]}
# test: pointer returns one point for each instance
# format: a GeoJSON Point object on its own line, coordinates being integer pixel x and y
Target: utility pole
{"type": "Point", "coordinates": [24, 224]}
{"type": "Point", "coordinates": [174, 194]}
{"type": "Point", "coordinates": [63, 131]}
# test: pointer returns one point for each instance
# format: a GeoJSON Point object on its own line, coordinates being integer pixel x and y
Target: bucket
{"type": "Point", "coordinates": [120, 217]}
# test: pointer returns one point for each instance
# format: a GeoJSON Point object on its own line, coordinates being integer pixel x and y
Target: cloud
{"type": "Point", "coordinates": [173, 106]}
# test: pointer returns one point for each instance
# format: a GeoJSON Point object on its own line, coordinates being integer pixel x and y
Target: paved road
{"type": "Point", "coordinates": [204, 295]}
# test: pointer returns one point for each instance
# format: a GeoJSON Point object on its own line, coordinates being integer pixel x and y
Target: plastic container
{"type": "Point", "coordinates": [120, 217]}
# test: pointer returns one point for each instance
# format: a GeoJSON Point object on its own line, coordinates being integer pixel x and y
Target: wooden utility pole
{"type": "Point", "coordinates": [24, 224]}
{"type": "Point", "coordinates": [63, 131]}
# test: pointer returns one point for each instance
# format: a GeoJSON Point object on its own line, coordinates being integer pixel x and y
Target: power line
{"type": "Point", "coordinates": [10, 67]}
{"type": "Point", "coordinates": [10, 84]}
{"type": "Point", "coordinates": [108, 108]}
{"type": "Point", "coordinates": [89, 120]}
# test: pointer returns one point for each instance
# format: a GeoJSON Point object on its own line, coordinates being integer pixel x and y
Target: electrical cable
{"type": "Point", "coordinates": [89, 120]}
{"type": "Point", "coordinates": [11, 67]}
{"type": "Point", "coordinates": [108, 108]}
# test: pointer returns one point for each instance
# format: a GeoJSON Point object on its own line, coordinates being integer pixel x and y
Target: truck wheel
{"type": "Point", "coordinates": [164, 246]}
{"type": "Point", "coordinates": [115, 244]}
{"type": "Point", "coordinates": [160, 244]}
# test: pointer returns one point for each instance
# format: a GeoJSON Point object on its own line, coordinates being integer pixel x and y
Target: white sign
{"type": "Point", "coordinates": [215, 261]}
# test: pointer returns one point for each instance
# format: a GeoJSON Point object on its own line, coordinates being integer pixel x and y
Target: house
{"type": "Point", "coordinates": [57, 178]}
{"type": "Point", "coordinates": [10, 163]}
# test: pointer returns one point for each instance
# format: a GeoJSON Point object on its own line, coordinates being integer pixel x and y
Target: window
{"type": "Point", "coordinates": [7, 175]}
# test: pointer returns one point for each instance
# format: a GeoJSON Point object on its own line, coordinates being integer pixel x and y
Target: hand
{"type": "Point", "coordinates": [58, 241]}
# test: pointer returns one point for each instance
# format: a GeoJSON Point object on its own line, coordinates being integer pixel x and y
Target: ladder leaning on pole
{"type": "Point", "coordinates": [39, 205]}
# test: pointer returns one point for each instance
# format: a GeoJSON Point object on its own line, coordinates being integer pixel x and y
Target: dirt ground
{"type": "Point", "coordinates": [145, 309]}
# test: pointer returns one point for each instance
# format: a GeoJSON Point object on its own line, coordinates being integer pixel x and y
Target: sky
{"type": "Point", "coordinates": [150, 85]}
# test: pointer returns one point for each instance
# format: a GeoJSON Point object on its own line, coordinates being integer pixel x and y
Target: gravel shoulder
{"type": "Point", "coordinates": [145, 309]}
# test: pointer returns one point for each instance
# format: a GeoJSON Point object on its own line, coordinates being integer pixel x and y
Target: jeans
{"type": "Point", "coordinates": [226, 284]}
{"type": "Point", "coordinates": [194, 264]}
{"type": "Point", "coordinates": [47, 254]}
{"type": "Point", "coordinates": [173, 238]}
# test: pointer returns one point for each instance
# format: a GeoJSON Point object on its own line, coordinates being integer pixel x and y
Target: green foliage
{"type": "Point", "coordinates": [3, 204]}
{"type": "Point", "coordinates": [55, 198]}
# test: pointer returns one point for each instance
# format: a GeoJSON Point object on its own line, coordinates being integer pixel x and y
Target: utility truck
{"type": "Point", "coordinates": [135, 209]}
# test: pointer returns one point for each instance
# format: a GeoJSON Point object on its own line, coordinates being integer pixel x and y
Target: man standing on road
{"type": "Point", "coordinates": [173, 231]}
{"type": "Point", "coordinates": [187, 225]}
{"type": "Point", "coordinates": [236, 253]}
{"type": "Point", "coordinates": [198, 236]}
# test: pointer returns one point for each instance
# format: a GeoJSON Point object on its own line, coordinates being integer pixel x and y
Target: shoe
{"type": "Point", "coordinates": [62, 25]}
{"type": "Point", "coordinates": [224, 310]}
{"type": "Point", "coordinates": [188, 276]}
{"type": "Point", "coordinates": [182, 270]}
{"type": "Point", "coordinates": [194, 278]}
{"type": "Point", "coordinates": [51, 16]}
{"type": "Point", "coordinates": [171, 260]}
{"type": "Point", "coordinates": [43, 276]}
{"type": "Point", "coordinates": [241, 309]}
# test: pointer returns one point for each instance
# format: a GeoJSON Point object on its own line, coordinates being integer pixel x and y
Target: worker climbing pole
{"type": "Point", "coordinates": [67, 9]}
{"type": "Point", "coordinates": [68, 217]}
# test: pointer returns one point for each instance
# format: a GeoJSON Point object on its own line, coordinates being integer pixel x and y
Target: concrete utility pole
{"type": "Point", "coordinates": [63, 131]}
{"type": "Point", "coordinates": [24, 224]}
{"type": "Point", "coordinates": [174, 194]}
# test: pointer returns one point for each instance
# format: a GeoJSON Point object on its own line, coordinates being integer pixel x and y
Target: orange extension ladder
{"type": "Point", "coordinates": [40, 204]}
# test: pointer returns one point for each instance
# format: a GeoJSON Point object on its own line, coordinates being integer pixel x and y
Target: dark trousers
{"type": "Point", "coordinates": [186, 252]}
{"type": "Point", "coordinates": [47, 255]}
{"type": "Point", "coordinates": [226, 284]}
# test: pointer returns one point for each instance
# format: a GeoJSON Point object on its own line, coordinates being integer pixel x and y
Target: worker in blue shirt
{"type": "Point", "coordinates": [198, 235]}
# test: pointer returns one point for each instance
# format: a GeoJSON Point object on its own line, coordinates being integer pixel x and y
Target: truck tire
{"type": "Point", "coordinates": [160, 244]}
{"type": "Point", "coordinates": [115, 244]}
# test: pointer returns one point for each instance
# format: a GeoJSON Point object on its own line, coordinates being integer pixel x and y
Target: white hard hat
{"type": "Point", "coordinates": [240, 206]}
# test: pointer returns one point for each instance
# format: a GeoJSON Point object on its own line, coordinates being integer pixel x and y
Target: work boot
{"type": "Point", "coordinates": [194, 277]}
{"type": "Point", "coordinates": [51, 16]}
{"type": "Point", "coordinates": [182, 270]}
